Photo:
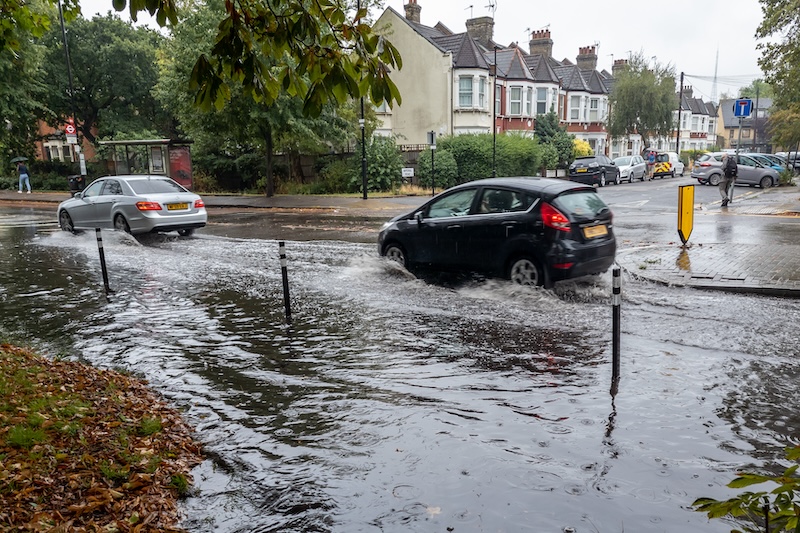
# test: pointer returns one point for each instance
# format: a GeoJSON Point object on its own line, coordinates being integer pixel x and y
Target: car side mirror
{"type": "Point", "coordinates": [418, 217]}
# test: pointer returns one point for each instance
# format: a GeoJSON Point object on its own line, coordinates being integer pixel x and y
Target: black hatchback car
{"type": "Point", "coordinates": [533, 231]}
{"type": "Point", "coordinates": [594, 170]}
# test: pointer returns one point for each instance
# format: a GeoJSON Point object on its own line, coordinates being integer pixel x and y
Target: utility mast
{"type": "Point", "coordinates": [714, 86]}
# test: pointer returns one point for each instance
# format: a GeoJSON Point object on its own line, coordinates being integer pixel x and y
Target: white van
{"type": "Point", "coordinates": [677, 164]}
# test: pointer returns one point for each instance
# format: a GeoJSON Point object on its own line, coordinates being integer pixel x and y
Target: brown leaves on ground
{"type": "Point", "coordinates": [83, 449]}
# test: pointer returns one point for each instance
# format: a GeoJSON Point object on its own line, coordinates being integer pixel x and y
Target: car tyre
{"type": "Point", "coordinates": [188, 232]}
{"type": "Point", "coordinates": [394, 252]}
{"type": "Point", "coordinates": [525, 271]}
{"type": "Point", "coordinates": [714, 180]}
{"type": "Point", "coordinates": [602, 181]}
{"type": "Point", "coordinates": [617, 179]}
{"type": "Point", "coordinates": [120, 224]}
{"type": "Point", "coordinates": [65, 221]}
{"type": "Point", "coordinates": [766, 182]}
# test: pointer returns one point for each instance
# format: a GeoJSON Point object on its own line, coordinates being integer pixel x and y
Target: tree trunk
{"type": "Point", "coordinates": [270, 177]}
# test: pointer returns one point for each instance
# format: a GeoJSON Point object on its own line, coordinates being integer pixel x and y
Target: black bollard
{"type": "Point", "coordinates": [102, 260]}
{"type": "Point", "coordinates": [285, 275]}
{"type": "Point", "coordinates": [616, 301]}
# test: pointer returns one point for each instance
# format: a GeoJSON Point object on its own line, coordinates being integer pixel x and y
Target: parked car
{"type": "Point", "coordinates": [753, 172]}
{"type": "Point", "coordinates": [631, 167]}
{"type": "Point", "coordinates": [708, 171]}
{"type": "Point", "coordinates": [677, 164]}
{"type": "Point", "coordinates": [135, 204]}
{"type": "Point", "coordinates": [533, 231]}
{"type": "Point", "coordinates": [768, 161]}
{"type": "Point", "coordinates": [594, 170]}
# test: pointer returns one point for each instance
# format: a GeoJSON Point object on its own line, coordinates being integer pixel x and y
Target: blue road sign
{"type": "Point", "coordinates": [742, 107]}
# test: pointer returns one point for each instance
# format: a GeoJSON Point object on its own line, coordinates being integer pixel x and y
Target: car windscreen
{"type": "Point", "coordinates": [155, 186]}
{"type": "Point", "coordinates": [623, 161]}
{"type": "Point", "coordinates": [582, 205]}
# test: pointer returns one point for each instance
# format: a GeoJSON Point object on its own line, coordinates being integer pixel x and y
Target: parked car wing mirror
{"type": "Point", "coordinates": [418, 217]}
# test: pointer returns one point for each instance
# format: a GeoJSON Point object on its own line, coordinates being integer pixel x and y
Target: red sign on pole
{"type": "Point", "coordinates": [69, 129]}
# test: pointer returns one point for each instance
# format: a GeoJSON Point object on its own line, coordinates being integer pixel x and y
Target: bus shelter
{"type": "Point", "coordinates": [165, 157]}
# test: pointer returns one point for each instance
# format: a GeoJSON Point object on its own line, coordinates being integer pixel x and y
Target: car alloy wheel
{"type": "Point", "coordinates": [766, 182]}
{"type": "Point", "coordinates": [524, 271]}
{"type": "Point", "coordinates": [603, 179]}
{"type": "Point", "coordinates": [65, 221]}
{"type": "Point", "coordinates": [120, 224]}
{"type": "Point", "coordinates": [395, 253]}
{"type": "Point", "coordinates": [714, 180]}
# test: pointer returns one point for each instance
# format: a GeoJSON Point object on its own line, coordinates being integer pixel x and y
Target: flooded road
{"type": "Point", "coordinates": [392, 404]}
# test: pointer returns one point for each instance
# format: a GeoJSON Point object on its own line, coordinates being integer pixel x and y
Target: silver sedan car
{"type": "Point", "coordinates": [134, 204]}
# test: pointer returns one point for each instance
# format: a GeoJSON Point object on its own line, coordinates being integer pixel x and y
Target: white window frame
{"type": "Point", "coordinates": [541, 101]}
{"type": "Point", "coordinates": [498, 99]}
{"type": "Point", "coordinates": [594, 110]}
{"type": "Point", "coordinates": [465, 96]}
{"type": "Point", "coordinates": [482, 92]}
{"type": "Point", "coordinates": [515, 101]}
{"type": "Point", "coordinates": [529, 102]}
{"type": "Point", "coordinates": [575, 107]}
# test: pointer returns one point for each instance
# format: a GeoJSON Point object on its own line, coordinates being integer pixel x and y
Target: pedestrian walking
{"type": "Point", "coordinates": [23, 176]}
{"type": "Point", "coordinates": [729, 171]}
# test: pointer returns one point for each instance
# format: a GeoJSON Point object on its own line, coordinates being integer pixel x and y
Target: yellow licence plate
{"type": "Point", "coordinates": [581, 169]}
{"type": "Point", "coordinates": [591, 232]}
{"type": "Point", "coordinates": [175, 207]}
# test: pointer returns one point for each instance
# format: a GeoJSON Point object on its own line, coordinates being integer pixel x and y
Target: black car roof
{"type": "Point", "coordinates": [550, 186]}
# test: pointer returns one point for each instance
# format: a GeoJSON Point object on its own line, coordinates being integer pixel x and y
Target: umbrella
{"type": "Point", "coordinates": [18, 159]}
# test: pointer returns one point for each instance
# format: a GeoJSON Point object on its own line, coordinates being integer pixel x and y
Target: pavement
{"type": "Point", "coordinates": [746, 268]}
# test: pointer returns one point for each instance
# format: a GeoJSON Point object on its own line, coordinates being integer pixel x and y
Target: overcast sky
{"type": "Point", "coordinates": [683, 33]}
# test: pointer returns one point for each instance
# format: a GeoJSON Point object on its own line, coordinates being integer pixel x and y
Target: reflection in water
{"type": "Point", "coordinates": [683, 262]}
{"type": "Point", "coordinates": [391, 404]}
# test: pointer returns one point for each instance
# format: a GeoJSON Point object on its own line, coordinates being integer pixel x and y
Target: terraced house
{"type": "Point", "coordinates": [456, 83]}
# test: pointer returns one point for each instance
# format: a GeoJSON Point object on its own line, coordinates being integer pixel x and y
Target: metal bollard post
{"type": "Point", "coordinates": [102, 260]}
{"type": "Point", "coordinates": [285, 275]}
{"type": "Point", "coordinates": [616, 301]}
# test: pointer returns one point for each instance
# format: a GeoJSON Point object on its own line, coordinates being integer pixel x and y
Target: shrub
{"type": "Point", "coordinates": [444, 167]}
{"type": "Point", "coordinates": [335, 177]}
{"type": "Point", "coordinates": [384, 164]}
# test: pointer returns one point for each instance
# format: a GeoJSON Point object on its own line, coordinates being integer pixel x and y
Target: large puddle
{"type": "Point", "coordinates": [396, 404]}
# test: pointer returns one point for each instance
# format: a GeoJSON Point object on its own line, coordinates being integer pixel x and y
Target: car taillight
{"type": "Point", "coordinates": [199, 203]}
{"type": "Point", "coordinates": [148, 206]}
{"type": "Point", "coordinates": [705, 164]}
{"type": "Point", "coordinates": [553, 218]}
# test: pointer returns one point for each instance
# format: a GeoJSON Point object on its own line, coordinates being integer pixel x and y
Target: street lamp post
{"type": "Point", "coordinates": [66, 55]}
{"type": "Point", "coordinates": [361, 124]}
{"type": "Point", "coordinates": [494, 116]}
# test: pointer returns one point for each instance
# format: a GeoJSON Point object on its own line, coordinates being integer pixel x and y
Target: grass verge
{"type": "Point", "coordinates": [87, 449]}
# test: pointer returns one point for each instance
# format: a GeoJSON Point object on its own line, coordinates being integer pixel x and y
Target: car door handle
{"type": "Point", "coordinates": [454, 226]}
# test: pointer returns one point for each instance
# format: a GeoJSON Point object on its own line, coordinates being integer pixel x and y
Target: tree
{"type": "Point", "coordinates": [335, 54]}
{"type": "Point", "coordinates": [759, 88]}
{"type": "Point", "coordinates": [581, 148]}
{"type": "Point", "coordinates": [780, 59]}
{"type": "Point", "coordinates": [114, 70]}
{"type": "Point", "coordinates": [643, 99]}
{"type": "Point", "coordinates": [550, 132]}
{"type": "Point", "coordinates": [240, 131]}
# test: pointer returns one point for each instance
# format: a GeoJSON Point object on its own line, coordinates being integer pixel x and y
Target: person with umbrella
{"type": "Point", "coordinates": [23, 173]}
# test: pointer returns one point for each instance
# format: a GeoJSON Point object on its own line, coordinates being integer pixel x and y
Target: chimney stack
{"type": "Point", "coordinates": [482, 30]}
{"type": "Point", "coordinates": [412, 11]}
{"type": "Point", "coordinates": [541, 43]}
{"type": "Point", "coordinates": [687, 91]}
{"type": "Point", "coordinates": [618, 67]}
{"type": "Point", "coordinates": [587, 58]}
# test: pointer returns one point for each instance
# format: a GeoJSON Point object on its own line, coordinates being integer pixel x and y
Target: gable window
{"type": "Point", "coordinates": [529, 102]}
{"type": "Point", "coordinates": [594, 104]}
{"type": "Point", "coordinates": [541, 101]}
{"type": "Point", "coordinates": [574, 107]}
{"type": "Point", "coordinates": [465, 91]}
{"type": "Point", "coordinates": [482, 92]}
{"type": "Point", "coordinates": [515, 101]}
